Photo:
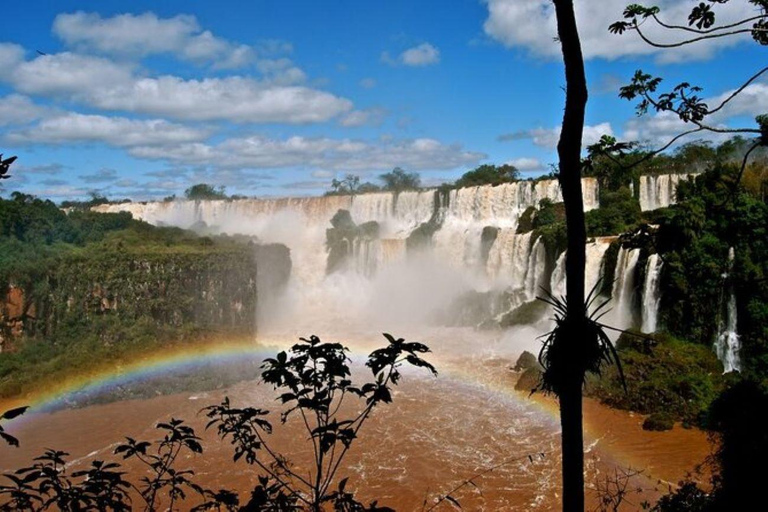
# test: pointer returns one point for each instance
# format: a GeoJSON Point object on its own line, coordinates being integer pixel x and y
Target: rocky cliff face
{"type": "Point", "coordinates": [209, 289]}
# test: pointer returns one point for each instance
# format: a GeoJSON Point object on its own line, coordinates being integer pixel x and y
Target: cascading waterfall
{"type": "Point", "coordinates": [728, 346]}
{"type": "Point", "coordinates": [659, 191]}
{"type": "Point", "coordinates": [624, 286]}
{"type": "Point", "coordinates": [651, 293]}
{"type": "Point", "coordinates": [455, 264]}
{"type": "Point", "coordinates": [592, 272]}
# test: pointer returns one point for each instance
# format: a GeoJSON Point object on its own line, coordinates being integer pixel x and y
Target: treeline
{"type": "Point", "coordinates": [399, 180]}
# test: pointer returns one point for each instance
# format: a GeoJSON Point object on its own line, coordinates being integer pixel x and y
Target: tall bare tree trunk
{"type": "Point", "coordinates": [569, 152]}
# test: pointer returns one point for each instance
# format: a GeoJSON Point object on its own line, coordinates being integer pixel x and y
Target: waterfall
{"type": "Point", "coordinates": [537, 263]}
{"type": "Point", "coordinates": [624, 287]}
{"type": "Point", "coordinates": [659, 191]}
{"type": "Point", "coordinates": [378, 275]}
{"type": "Point", "coordinates": [592, 272]}
{"type": "Point", "coordinates": [651, 293]}
{"type": "Point", "coordinates": [728, 346]}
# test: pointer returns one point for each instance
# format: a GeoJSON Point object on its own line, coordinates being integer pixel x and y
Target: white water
{"type": "Point", "coordinates": [659, 191]}
{"type": "Point", "coordinates": [624, 286]}
{"type": "Point", "coordinates": [728, 346]}
{"type": "Point", "coordinates": [381, 286]}
{"type": "Point", "coordinates": [593, 271]}
{"type": "Point", "coordinates": [651, 293]}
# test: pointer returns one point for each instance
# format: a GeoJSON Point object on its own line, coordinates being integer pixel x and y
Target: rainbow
{"type": "Point", "coordinates": [178, 360]}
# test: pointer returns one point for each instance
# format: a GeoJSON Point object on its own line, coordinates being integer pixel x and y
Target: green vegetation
{"type": "Point", "coordinates": [488, 174]}
{"type": "Point", "coordinates": [203, 191]}
{"type": "Point", "coordinates": [619, 212]}
{"type": "Point", "coordinates": [694, 239]}
{"type": "Point", "coordinates": [672, 380]}
{"type": "Point", "coordinates": [399, 180]}
{"type": "Point", "coordinates": [86, 286]}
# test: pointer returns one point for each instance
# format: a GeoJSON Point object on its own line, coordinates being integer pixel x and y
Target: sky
{"type": "Point", "coordinates": [142, 99]}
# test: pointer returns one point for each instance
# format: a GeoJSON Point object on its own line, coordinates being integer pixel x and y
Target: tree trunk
{"type": "Point", "coordinates": [569, 152]}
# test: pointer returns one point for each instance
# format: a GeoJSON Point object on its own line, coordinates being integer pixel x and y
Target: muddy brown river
{"type": "Point", "coordinates": [437, 433]}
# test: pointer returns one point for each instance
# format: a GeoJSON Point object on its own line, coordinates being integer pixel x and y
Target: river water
{"type": "Point", "coordinates": [437, 433]}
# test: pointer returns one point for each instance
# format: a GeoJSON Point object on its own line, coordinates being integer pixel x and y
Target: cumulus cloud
{"type": "Point", "coordinates": [424, 54]}
{"type": "Point", "coordinates": [115, 131]}
{"type": "Point", "coordinates": [68, 74]}
{"type": "Point", "coordinates": [107, 85]}
{"type": "Point", "coordinates": [421, 55]}
{"type": "Point", "coordinates": [259, 152]}
{"type": "Point", "coordinates": [531, 25]}
{"type": "Point", "coordinates": [548, 137]}
{"type": "Point", "coordinates": [18, 109]}
{"type": "Point", "coordinates": [146, 34]}
{"type": "Point", "coordinates": [527, 164]}
{"type": "Point", "coordinates": [372, 116]}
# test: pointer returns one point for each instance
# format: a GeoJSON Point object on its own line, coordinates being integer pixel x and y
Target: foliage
{"type": "Point", "coordinates": [9, 415]}
{"type": "Point", "coordinates": [619, 212]}
{"type": "Point", "coordinates": [662, 376]}
{"type": "Point", "coordinates": [488, 174]}
{"type": "Point", "coordinates": [204, 191]}
{"type": "Point", "coordinates": [399, 180]}
{"type": "Point", "coordinates": [314, 379]}
{"type": "Point", "coordinates": [694, 238]}
{"type": "Point", "coordinates": [348, 185]}
{"type": "Point", "coordinates": [561, 355]}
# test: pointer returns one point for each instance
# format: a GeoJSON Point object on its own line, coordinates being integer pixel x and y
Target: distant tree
{"type": "Point", "coordinates": [488, 174]}
{"type": "Point", "coordinates": [399, 180]}
{"type": "Point", "coordinates": [368, 187]}
{"type": "Point", "coordinates": [346, 186]}
{"type": "Point", "coordinates": [203, 191]}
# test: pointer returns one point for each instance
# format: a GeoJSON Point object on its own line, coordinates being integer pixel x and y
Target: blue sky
{"type": "Point", "coordinates": [142, 99]}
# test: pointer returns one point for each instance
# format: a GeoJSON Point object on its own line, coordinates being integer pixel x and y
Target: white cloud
{"type": "Point", "coordinates": [106, 85]}
{"type": "Point", "coordinates": [18, 109]}
{"type": "Point", "coordinates": [10, 57]}
{"type": "Point", "coordinates": [260, 152]}
{"type": "Point", "coordinates": [323, 174]}
{"type": "Point", "coordinates": [527, 164]}
{"type": "Point", "coordinates": [424, 54]}
{"type": "Point", "coordinates": [146, 34]}
{"type": "Point", "coordinates": [372, 116]}
{"type": "Point", "coordinates": [549, 137]}
{"type": "Point", "coordinates": [531, 25]}
{"type": "Point", "coordinates": [115, 131]}
{"type": "Point", "coordinates": [68, 74]}
{"type": "Point", "coordinates": [659, 128]}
